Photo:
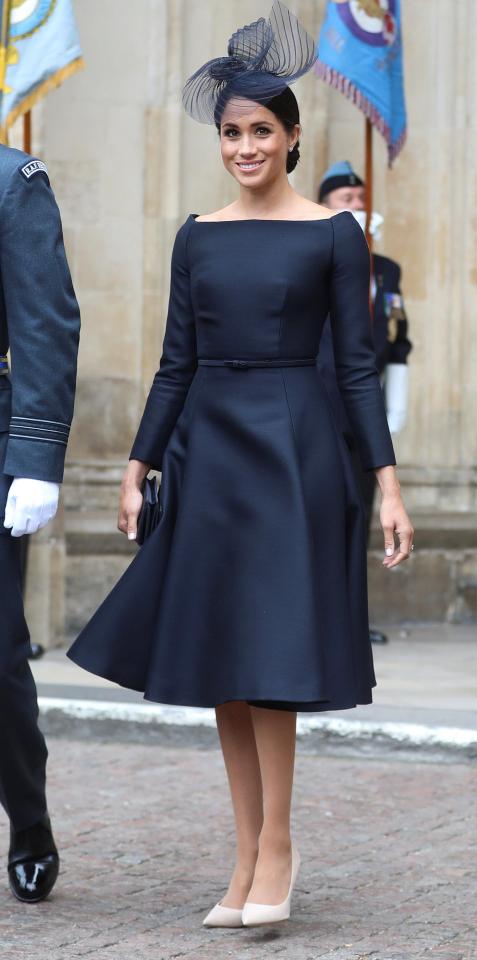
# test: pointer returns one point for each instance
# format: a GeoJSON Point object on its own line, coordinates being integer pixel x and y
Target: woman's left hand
{"type": "Point", "coordinates": [394, 520]}
{"type": "Point", "coordinates": [396, 524]}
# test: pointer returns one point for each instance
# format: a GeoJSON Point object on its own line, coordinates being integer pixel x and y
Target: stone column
{"type": "Point", "coordinates": [95, 136]}
{"type": "Point", "coordinates": [44, 592]}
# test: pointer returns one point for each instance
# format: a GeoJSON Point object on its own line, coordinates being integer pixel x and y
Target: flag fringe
{"type": "Point", "coordinates": [38, 93]}
{"type": "Point", "coordinates": [337, 80]}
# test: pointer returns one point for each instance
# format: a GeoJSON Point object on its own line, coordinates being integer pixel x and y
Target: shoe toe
{"type": "Point", "coordinates": [33, 880]}
{"type": "Point", "coordinates": [221, 916]}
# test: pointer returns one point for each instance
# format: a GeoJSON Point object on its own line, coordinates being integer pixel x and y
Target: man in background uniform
{"type": "Point", "coordinates": [342, 189]}
{"type": "Point", "coordinates": [39, 324]}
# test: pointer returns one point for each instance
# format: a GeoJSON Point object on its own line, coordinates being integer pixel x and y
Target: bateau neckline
{"type": "Point", "coordinates": [266, 219]}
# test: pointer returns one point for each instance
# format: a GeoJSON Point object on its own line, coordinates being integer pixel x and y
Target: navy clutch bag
{"type": "Point", "coordinates": [150, 512]}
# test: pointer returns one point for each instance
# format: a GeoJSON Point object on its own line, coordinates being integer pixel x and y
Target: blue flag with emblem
{"type": "Point", "coordinates": [40, 48]}
{"type": "Point", "coordinates": [360, 54]}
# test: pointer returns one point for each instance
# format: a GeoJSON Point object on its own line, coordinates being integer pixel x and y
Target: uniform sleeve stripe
{"type": "Point", "coordinates": [20, 436]}
{"type": "Point", "coordinates": [59, 423]}
{"type": "Point", "coordinates": [19, 426]}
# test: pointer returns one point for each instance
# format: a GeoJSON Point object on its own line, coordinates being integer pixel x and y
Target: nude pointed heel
{"type": "Point", "coordinates": [254, 914]}
{"type": "Point", "coordinates": [221, 916]}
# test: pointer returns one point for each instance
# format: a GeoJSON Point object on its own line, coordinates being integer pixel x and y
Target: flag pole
{"type": "Point", "coordinates": [4, 22]}
{"type": "Point", "coordinates": [27, 131]}
{"type": "Point", "coordinates": [369, 199]}
{"type": "Point", "coordinates": [369, 178]}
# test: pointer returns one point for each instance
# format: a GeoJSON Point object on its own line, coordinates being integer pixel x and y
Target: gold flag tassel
{"type": "Point", "coordinates": [40, 91]}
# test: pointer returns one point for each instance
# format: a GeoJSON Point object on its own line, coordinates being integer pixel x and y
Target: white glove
{"type": "Point", "coordinates": [396, 381]}
{"type": "Point", "coordinates": [376, 222]}
{"type": "Point", "coordinates": [30, 505]}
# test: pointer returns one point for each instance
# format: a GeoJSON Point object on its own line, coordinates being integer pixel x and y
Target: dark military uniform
{"type": "Point", "coordinates": [391, 342]}
{"type": "Point", "coordinates": [390, 326]}
{"type": "Point", "coordinates": [39, 323]}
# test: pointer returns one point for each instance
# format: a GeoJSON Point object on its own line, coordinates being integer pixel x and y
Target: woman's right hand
{"type": "Point", "coordinates": [130, 498]}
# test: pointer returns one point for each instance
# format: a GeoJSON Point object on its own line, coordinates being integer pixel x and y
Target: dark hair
{"type": "Point", "coordinates": [284, 105]}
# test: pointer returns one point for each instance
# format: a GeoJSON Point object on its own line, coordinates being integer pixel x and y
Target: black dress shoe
{"type": "Point", "coordinates": [35, 651]}
{"type": "Point", "coordinates": [33, 862]}
{"type": "Point", "coordinates": [377, 637]}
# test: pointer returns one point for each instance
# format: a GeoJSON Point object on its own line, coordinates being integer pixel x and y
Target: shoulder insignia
{"type": "Point", "coordinates": [34, 166]}
{"type": "Point", "coordinates": [394, 305]}
{"type": "Point", "coordinates": [394, 309]}
{"type": "Point", "coordinates": [392, 331]}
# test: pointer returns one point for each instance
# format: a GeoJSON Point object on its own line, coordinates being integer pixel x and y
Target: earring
{"type": "Point", "coordinates": [291, 148]}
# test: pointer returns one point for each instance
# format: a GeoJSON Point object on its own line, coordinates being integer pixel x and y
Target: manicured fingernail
{"type": "Point", "coordinates": [131, 535]}
{"type": "Point", "coordinates": [389, 551]}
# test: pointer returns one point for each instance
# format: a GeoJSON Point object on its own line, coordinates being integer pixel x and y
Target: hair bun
{"type": "Point", "coordinates": [293, 157]}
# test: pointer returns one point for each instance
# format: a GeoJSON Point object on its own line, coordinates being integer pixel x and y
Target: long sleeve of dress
{"type": "Point", "coordinates": [356, 372]}
{"type": "Point", "coordinates": [177, 367]}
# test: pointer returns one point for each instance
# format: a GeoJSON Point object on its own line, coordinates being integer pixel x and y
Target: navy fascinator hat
{"type": "Point", "coordinates": [263, 58]}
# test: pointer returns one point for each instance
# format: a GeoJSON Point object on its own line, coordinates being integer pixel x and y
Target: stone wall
{"type": "Point", "coordinates": [128, 166]}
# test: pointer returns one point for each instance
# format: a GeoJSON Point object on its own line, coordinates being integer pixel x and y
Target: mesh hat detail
{"type": "Point", "coordinates": [263, 58]}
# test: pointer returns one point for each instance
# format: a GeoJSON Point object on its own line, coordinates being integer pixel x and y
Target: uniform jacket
{"type": "Point", "coordinates": [390, 332]}
{"type": "Point", "coordinates": [39, 324]}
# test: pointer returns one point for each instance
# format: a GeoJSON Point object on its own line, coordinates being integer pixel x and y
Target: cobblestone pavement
{"type": "Point", "coordinates": [389, 860]}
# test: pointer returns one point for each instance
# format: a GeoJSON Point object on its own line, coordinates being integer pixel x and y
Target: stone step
{"type": "Point", "coordinates": [439, 531]}
{"type": "Point", "coordinates": [95, 531]}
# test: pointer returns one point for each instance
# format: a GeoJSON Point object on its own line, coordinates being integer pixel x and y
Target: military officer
{"type": "Point", "coordinates": [342, 189]}
{"type": "Point", "coordinates": [39, 324]}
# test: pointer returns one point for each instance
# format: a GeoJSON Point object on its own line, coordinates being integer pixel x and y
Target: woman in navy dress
{"type": "Point", "coordinates": [250, 595]}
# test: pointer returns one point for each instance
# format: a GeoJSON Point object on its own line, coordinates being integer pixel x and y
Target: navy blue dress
{"type": "Point", "coordinates": [253, 586]}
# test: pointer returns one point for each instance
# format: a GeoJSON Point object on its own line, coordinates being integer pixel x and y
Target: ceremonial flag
{"type": "Point", "coordinates": [360, 54]}
{"type": "Point", "coordinates": [39, 49]}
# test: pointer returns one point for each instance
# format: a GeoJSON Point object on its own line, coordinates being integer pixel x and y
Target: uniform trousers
{"type": "Point", "coordinates": [23, 751]}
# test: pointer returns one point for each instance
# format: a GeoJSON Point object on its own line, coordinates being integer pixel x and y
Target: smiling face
{"type": "Point", "coordinates": [255, 145]}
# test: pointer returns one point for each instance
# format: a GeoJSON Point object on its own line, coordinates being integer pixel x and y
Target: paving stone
{"type": "Point", "coordinates": [146, 838]}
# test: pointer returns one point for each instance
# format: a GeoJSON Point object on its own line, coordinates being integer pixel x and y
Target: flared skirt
{"type": "Point", "coordinates": [253, 586]}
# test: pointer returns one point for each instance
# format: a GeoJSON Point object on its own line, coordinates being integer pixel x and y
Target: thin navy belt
{"type": "Point", "coordinates": [244, 364]}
